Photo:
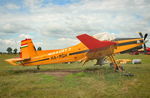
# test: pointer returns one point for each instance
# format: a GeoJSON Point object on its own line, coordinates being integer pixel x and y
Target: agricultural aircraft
{"type": "Point", "coordinates": [89, 48]}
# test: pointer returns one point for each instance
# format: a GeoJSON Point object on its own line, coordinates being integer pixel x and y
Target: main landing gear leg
{"type": "Point", "coordinates": [38, 67]}
{"type": "Point", "coordinates": [116, 66]}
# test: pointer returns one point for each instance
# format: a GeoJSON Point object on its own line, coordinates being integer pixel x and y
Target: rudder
{"type": "Point", "coordinates": [27, 49]}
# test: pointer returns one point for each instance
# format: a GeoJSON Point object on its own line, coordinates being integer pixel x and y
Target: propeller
{"type": "Point", "coordinates": [144, 38]}
{"type": "Point", "coordinates": [141, 35]}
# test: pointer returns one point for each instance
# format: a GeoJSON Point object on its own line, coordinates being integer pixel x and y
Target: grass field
{"type": "Point", "coordinates": [74, 80]}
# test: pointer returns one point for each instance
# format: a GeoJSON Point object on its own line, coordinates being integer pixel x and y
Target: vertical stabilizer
{"type": "Point", "coordinates": [27, 49]}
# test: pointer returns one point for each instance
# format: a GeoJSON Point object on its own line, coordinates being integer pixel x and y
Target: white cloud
{"type": "Point", "coordinates": [54, 22]}
{"type": "Point", "coordinates": [24, 36]}
{"type": "Point", "coordinates": [69, 40]}
{"type": "Point", "coordinates": [5, 43]}
{"type": "Point", "coordinates": [90, 16]}
{"type": "Point", "coordinates": [12, 6]}
{"type": "Point", "coordinates": [33, 4]}
{"type": "Point", "coordinates": [13, 27]}
{"type": "Point", "coordinates": [38, 44]}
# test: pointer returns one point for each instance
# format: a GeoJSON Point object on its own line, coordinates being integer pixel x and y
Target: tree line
{"type": "Point", "coordinates": [15, 50]}
{"type": "Point", "coordinates": [10, 50]}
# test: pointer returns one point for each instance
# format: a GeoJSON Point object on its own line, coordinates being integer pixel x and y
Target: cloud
{"type": "Point", "coordinates": [5, 43]}
{"type": "Point", "coordinates": [23, 36]}
{"type": "Point", "coordinates": [12, 6]}
{"type": "Point", "coordinates": [86, 16]}
{"type": "Point", "coordinates": [69, 40]}
{"type": "Point", "coordinates": [56, 22]}
{"type": "Point", "coordinates": [33, 4]}
{"type": "Point", "coordinates": [13, 27]}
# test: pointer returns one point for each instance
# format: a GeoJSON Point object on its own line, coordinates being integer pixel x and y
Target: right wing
{"type": "Point", "coordinates": [93, 43]}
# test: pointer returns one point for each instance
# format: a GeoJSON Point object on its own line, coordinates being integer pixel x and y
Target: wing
{"type": "Point", "coordinates": [93, 43]}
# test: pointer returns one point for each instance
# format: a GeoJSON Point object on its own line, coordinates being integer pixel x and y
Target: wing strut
{"type": "Point", "coordinates": [116, 66]}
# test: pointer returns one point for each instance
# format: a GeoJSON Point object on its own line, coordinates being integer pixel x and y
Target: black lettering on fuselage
{"type": "Point", "coordinates": [58, 56]}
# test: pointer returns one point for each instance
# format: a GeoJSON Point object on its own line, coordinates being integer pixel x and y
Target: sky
{"type": "Point", "coordinates": [54, 24]}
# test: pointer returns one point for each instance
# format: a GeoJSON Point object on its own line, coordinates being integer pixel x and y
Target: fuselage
{"type": "Point", "coordinates": [90, 48]}
{"type": "Point", "coordinates": [80, 52]}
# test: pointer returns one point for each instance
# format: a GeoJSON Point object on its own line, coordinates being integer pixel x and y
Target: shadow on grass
{"type": "Point", "coordinates": [33, 70]}
{"type": "Point", "coordinates": [57, 72]}
{"type": "Point", "coordinates": [61, 71]}
{"type": "Point", "coordinates": [102, 69]}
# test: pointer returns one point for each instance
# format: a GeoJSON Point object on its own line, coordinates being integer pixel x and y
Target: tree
{"type": "Point", "coordinates": [15, 51]}
{"type": "Point", "coordinates": [39, 48]}
{"type": "Point", "coordinates": [9, 50]}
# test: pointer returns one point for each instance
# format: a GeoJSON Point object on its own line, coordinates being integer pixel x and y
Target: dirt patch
{"type": "Point", "coordinates": [61, 73]}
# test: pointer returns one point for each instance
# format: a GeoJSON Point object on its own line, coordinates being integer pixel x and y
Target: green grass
{"type": "Point", "coordinates": [91, 82]}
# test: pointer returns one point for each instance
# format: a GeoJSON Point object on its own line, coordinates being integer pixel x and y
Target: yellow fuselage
{"type": "Point", "coordinates": [80, 52]}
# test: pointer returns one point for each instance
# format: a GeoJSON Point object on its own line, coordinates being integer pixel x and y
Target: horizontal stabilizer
{"type": "Point", "coordinates": [14, 61]}
{"type": "Point", "coordinates": [93, 43]}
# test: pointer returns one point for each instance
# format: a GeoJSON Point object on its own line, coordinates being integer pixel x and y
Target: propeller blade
{"type": "Point", "coordinates": [145, 36]}
{"type": "Point", "coordinates": [141, 34]}
{"type": "Point", "coordinates": [145, 48]}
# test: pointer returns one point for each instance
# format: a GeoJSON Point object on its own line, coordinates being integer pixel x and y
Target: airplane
{"type": "Point", "coordinates": [89, 48]}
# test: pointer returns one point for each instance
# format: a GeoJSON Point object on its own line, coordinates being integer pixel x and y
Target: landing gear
{"type": "Point", "coordinates": [100, 61]}
{"type": "Point", "coordinates": [38, 67]}
{"type": "Point", "coordinates": [115, 65]}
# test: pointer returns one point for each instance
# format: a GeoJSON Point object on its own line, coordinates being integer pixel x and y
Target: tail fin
{"type": "Point", "coordinates": [27, 49]}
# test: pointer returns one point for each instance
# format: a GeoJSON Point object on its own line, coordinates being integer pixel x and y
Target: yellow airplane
{"type": "Point", "coordinates": [90, 48]}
